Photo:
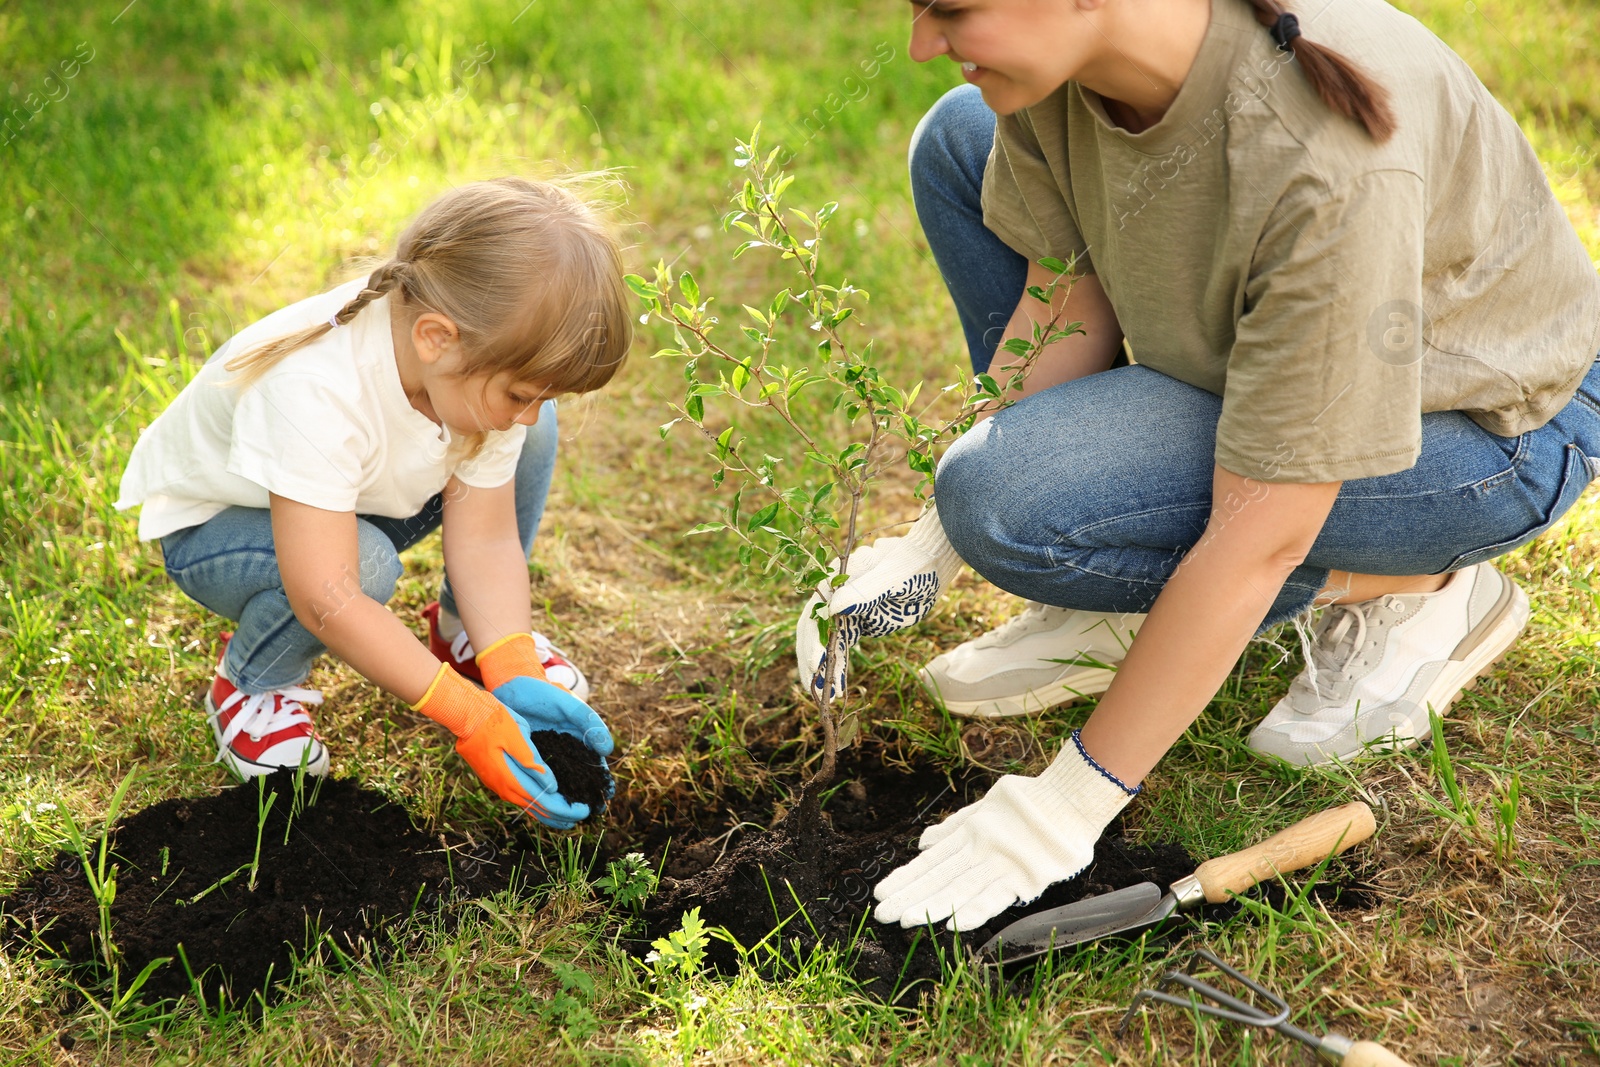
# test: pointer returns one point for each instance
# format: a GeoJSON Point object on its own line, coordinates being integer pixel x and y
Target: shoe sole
{"type": "Point", "coordinates": [1484, 648]}
{"type": "Point", "coordinates": [246, 769]}
{"type": "Point", "coordinates": [1090, 682]}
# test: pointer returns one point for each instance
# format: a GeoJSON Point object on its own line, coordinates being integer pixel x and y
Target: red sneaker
{"type": "Point", "coordinates": [460, 655]}
{"type": "Point", "coordinates": [265, 732]}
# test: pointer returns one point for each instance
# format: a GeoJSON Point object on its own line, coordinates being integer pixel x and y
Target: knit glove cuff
{"type": "Point", "coordinates": [455, 703]}
{"type": "Point", "coordinates": [511, 657]}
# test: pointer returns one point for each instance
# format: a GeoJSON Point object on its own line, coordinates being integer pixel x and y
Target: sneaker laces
{"type": "Point", "coordinates": [1324, 649]}
{"type": "Point", "coordinates": [263, 714]}
{"type": "Point", "coordinates": [1017, 626]}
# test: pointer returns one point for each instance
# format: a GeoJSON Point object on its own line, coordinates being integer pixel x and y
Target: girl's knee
{"type": "Point", "coordinates": [379, 562]}
{"type": "Point", "coordinates": [955, 136]}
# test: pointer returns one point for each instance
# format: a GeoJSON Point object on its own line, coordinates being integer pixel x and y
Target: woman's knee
{"type": "Point", "coordinates": [971, 490]}
{"type": "Point", "coordinates": [378, 560]}
{"type": "Point", "coordinates": [953, 139]}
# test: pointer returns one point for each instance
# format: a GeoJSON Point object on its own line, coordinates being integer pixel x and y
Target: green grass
{"type": "Point", "coordinates": [217, 159]}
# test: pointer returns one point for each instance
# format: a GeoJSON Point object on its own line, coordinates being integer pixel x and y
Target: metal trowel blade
{"type": "Point", "coordinates": [1127, 909]}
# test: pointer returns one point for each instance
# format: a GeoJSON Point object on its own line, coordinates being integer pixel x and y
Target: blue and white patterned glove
{"type": "Point", "coordinates": [892, 584]}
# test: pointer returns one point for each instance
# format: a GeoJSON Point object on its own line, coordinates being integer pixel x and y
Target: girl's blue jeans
{"type": "Point", "coordinates": [228, 564]}
{"type": "Point", "coordinates": [1088, 495]}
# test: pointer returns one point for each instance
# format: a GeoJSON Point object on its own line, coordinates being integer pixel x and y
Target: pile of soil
{"type": "Point", "coordinates": [347, 865]}
{"type": "Point", "coordinates": [579, 772]}
{"type": "Point", "coordinates": [825, 863]}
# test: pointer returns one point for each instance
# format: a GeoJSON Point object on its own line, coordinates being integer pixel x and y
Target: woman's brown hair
{"type": "Point", "coordinates": [527, 271]}
{"type": "Point", "coordinates": [1342, 86]}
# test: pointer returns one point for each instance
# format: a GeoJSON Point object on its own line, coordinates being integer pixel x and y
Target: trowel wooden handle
{"type": "Point", "coordinates": [1371, 1054]}
{"type": "Point", "coordinates": [1308, 841]}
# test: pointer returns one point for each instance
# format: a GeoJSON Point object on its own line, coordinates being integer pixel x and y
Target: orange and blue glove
{"type": "Point", "coordinates": [513, 672]}
{"type": "Point", "coordinates": [496, 745]}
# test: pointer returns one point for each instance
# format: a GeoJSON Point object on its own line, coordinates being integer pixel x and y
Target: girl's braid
{"type": "Point", "coordinates": [381, 281]}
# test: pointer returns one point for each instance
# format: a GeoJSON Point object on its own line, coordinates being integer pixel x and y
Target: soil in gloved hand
{"type": "Point", "coordinates": [578, 771]}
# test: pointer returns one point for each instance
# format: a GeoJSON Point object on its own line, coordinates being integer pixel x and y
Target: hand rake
{"type": "Point", "coordinates": [1212, 1001]}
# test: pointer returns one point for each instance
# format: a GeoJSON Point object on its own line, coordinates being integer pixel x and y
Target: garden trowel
{"type": "Point", "coordinates": [1308, 841]}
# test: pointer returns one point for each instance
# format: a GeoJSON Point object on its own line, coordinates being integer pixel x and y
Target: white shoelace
{"type": "Point", "coordinates": [263, 714]}
{"type": "Point", "coordinates": [1016, 626]}
{"type": "Point", "coordinates": [1321, 650]}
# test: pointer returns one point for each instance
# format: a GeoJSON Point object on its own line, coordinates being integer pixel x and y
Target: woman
{"type": "Point", "coordinates": [1365, 338]}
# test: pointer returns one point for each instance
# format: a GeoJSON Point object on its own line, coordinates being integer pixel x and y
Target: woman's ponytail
{"type": "Point", "coordinates": [1342, 86]}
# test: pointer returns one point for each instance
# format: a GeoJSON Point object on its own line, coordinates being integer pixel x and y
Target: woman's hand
{"type": "Point", "coordinates": [1023, 836]}
{"type": "Point", "coordinates": [892, 584]}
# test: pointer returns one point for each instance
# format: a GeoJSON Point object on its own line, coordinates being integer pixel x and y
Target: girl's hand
{"type": "Point", "coordinates": [497, 746]}
{"type": "Point", "coordinates": [512, 671]}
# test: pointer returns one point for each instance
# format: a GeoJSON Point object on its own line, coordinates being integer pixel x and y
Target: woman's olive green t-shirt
{"type": "Point", "coordinates": [1259, 246]}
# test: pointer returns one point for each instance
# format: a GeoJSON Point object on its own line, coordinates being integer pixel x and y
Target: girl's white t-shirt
{"type": "Point", "coordinates": [329, 425]}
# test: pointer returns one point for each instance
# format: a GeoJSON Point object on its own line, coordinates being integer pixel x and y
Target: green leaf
{"type": "Point", "coordinates": [741, 378]}
{"type": "Point", "coordinates": [762, 517]}
{"type": "Point", "coordinates": [695, 408]}
{"type": "Point", "coordinates": [756, 313]}
{"type": "Point", "coordinates": [666, 428]}
{"type": "Point", "coordinates": [707, 527]}
{"type": "Point", "coordinates": [779, 303]}
{"type": "Point", "coordinates": [639, 286]}
{"type": "Point", "coordinates": [1055, 266]}
{"type": "Point", "coordinates": [724, 443]}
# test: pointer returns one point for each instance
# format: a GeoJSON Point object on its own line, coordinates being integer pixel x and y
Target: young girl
{"type": "Point", "coordinates": [319, 443]}
{"type": "Point", "coordinates": [1365, 335]}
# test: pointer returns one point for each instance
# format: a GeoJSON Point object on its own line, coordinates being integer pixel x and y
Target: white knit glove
{"type": "Point", "coordinates": [892, 584]}
{"type": "Point", "coordinates": [1025, 835]}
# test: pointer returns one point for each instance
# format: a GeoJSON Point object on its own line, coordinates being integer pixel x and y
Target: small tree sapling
{"type": "Point", "coordinates": [797, 366]}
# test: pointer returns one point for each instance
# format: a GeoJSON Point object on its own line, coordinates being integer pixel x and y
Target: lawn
{"type": "Point", "coordinates": [170, 172]}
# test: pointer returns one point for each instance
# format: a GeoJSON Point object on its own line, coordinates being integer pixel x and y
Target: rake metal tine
{"type": "Point", "coordinates": [1281, 1005]}
{"type": "Point", "coordinates": [1225, 1006]}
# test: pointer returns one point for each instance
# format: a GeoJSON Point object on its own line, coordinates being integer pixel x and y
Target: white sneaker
{"type": "Point", "coordinates": [1375, 668]}
{"type": "Point", "coordinates": [1043, 657]}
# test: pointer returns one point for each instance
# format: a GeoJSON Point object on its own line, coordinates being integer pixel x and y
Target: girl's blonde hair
{"type": "Point", "coordinates": [527, 271]}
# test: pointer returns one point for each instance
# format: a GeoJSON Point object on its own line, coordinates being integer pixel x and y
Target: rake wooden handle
{"type": "Point", "coordinates": [1308, 841]}
{"type": "Point", "coordinates": [1371, 1054]}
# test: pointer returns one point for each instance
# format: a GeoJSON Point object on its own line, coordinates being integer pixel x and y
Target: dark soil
{"type": "Point", "coordinates": [830, 861]}
{"type": "Point", "coordinates": [577, 769]}
{"type": "Point", "coordinates": [352, 866]}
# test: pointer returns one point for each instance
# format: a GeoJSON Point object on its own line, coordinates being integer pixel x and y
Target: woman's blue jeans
{"type": "Point", "coordinates": [1088, 495]}
{"type": "Point", "coordinates": [228, 564]}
